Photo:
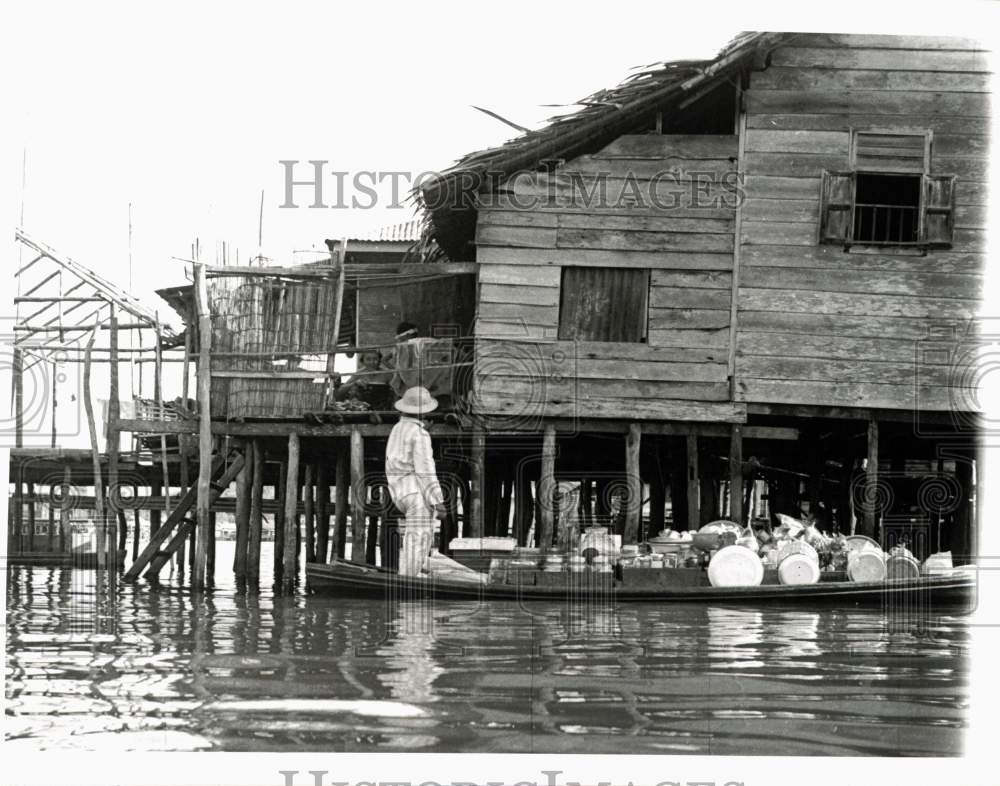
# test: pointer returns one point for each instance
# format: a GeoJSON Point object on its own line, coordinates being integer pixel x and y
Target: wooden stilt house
{"type": "Point", "coordinates": [759, 271]}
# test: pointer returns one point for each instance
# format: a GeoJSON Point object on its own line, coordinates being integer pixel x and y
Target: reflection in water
{"type": "Point", "coordinates": [169, 671]}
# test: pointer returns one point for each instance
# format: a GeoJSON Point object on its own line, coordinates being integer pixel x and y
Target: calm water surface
{"type": "Point", "coordinates": [161, 670]}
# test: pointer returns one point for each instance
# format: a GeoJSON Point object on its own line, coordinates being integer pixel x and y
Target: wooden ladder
{"type": "Point", "coordinates": [156, 555]}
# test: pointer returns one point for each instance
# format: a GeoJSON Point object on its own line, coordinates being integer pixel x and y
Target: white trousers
{"type": "Point", "coordinates": [417, 531]}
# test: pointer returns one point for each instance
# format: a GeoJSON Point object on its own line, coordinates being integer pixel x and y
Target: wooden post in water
{"type": "Point", "coordinates": [291, 514]}
{"type": "Point", "coordinates": [279, 521]}
{"type": "Point", "coordinates": [95, 454]}
{"type": "Point", "coordinates": [357, 496]}
{"type": "Point", "coordinates": [200, 566]}
{"type": "Point", "coordinates": [307, 509]}
{"type": "Point", "coordinates": [31, 517]}
{"type": "Point", "coordinates": [209, 551]}
{"type": "Point", "coordinates": [736, 512]}
{"type": "Point", "coordinates": [871, 496]}
{"type": "Point", "coordinates": [14, 533]}
{"type": "Point", "coordinates": [504, 506]}
{"type": "Point", "coordinates": [50, 534]}
{"type": "Point", "coordinates": [322, 512]}
{"type": "Point", "coordinates": [963, 539]}
{"type": "Point", "coordinates": [136, 522]}
{"type": "Point", "coordinates": [693, 500]}
{"type": "Point", "coordinates": [523, 506]}
{"type": "Point", "coordinates": [633, 510]}
{"type": "Point", "coordinates": [449, 526]}
{"type": "Point", "coordinates": [155, 490]}
{"type": "Point", "coordinates": [474, 526]}
{"type": "Point", "coordinates": [184, 460]}
{"type": "Point", "coordinates": [657, 503]}
{"type": "Point", "coordinates": [256, 515]}
{"type": "Point", "coordinates": [244, 480]}
{"type": "Point", "coordinates": [546, 489]}
{"type": "Point", "coordinates": [158, 396]}
{"type": "Point", "coordinates": [65, 512]}
{"type": "Point", "coordinates": [371, 541]}
{"type": "Point", "coordinates": [114, 493]}
{"type": "Point", "coordinates": [341, 497]}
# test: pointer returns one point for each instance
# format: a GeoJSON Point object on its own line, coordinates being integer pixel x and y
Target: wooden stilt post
{"type": "Point", "coordinates": [15, 537]}
{"type": "Point", "coordinates": [31, 517]}
{"type": "Point", "coordinates": [155, 490]}
{"type": "Point", "coordinates": [158, 396]}
{"type": "Point", "coordinates": [200, 565]}
{"type": "Point", "coordinates": [357, 496]}
{"type": "Point", "coordinates": [279, 522]}
{"type": "Point", "coordinates": [182, 444]}
{"type": "Point", "coordinates": [65, 512]}
{"type": "Point", "coordinates": [210, 551]}
{"type": "Point", "coordinates": [95, 454]}
{"type": "Point", "coordinates": [736, 512]}
{"type": "Point", "coordinates": [506, 501]}
{"type": "Point", "coordinates": [477, 483]}
{"type": "Point", "coordinates": [256, 516]}
{"type": "Point", "coordinates": [547, 488]}
{"type": "Point", "coordinates": [491, 495]}
{"type": "Point", "coordinates": [523, 506]}
{"type": "Point", "coordinates": [708, 499]}
{"type": "Point", "coordinates": [112, 440]}
{"type": "Point", "coordinates": [291, 513]}
{"type": "Point", "coordinates": [960, 539]}
{"type": "Point", "coordinates": [449, 526]}
{"type": "Point", "coordinates": [244, 482]}
{"type": "Point", "coordinates": [871, 480]}
{"type": "Point", "coordinates": [657, 505]}
{"type": "Point", "coordinates": [18, 372]}
{"type": "Point", "coordinates": [307, 509]}
{"type": "Point", "coordinates": [50, 534]}
{"type": "Point", "coordinates": [633, 511]}
{"type": "Point", "coordinates": [693, 501]}
{"type": "Point", "coordinates": [322, 512]}
{"type": "Point", "coordinates": [341, 501]}
{"type": "Point", "coordinates": [136, 523]}
{"type": "Point", "coordinates": [371, 537]}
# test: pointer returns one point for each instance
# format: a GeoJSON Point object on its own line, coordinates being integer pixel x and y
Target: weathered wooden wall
{"type": "Point", "coordinates": [818, 325]}
{"type": "Point", "coordinates": [379, 312]}
{"type": "Point", "coordinates": [542, 224]}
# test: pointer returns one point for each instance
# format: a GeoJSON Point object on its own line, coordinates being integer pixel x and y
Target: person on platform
{"type": "Point", "coordinates": [413, 481]}
{"type": "Point", "coordinates": [366, 383]}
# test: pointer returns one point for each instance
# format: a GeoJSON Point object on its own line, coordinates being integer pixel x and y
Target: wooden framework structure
{"type": "Point", "coordinates": [66, 314]}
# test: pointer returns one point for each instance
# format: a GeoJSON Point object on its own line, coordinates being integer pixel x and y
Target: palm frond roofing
{"type": "Point", "coordinates": [604, 115]}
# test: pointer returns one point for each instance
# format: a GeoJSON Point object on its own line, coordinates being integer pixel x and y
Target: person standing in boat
{"type": "Point", "coordinates": [412, 479]}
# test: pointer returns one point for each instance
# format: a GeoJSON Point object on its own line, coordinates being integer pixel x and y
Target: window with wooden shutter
{"type": "Point", "coordinates": [603, 304]}
{"type": "Point", "coordinates": [938, 210]}
{"type": "Point", "coordinates": [837, 207]}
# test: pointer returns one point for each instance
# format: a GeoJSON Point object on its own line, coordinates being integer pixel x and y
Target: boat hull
{"type": "Point", "coordinates": [342, 579]}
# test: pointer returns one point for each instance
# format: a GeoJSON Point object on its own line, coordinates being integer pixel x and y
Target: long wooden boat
{"type": "Point", "coordinates": [346, 579]}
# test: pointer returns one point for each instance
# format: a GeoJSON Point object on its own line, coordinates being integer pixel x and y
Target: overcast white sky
{"type": "Point", "coordinates": [184, 109]}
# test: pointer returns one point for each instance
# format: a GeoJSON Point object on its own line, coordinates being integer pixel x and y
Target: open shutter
{"type": "Point", "coordinates": [938, 220]}
{"type": "Point", "coordinates": [837, 208]}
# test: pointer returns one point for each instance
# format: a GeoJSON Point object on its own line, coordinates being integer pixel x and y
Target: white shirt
{"type": "Point", "coordinates": [409, 463]}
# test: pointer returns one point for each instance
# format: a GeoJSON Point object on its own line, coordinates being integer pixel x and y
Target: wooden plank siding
{"type": "Point", "coordinates": [663, 209]}
{"type": "Point", "coordinates": [818, 325]}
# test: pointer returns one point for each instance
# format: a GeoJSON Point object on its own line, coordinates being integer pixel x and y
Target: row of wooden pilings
{"type": "Point", "coordinates": [301, 486]}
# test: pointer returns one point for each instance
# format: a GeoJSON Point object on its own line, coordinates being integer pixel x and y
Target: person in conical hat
{"type": "Point", "coordinates": [412, 479]}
